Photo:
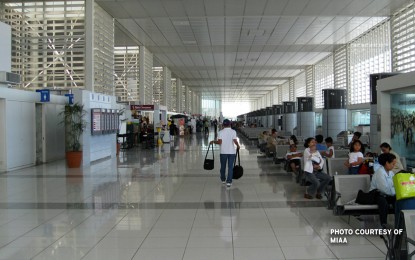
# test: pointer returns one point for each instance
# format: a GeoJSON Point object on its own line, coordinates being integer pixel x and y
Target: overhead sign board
{"type": "Point", "coordinates": [142, 107]}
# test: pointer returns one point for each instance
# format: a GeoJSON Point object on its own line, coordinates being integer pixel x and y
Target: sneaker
{"type": "Point", "coordinates": [318, 196]}
{"type": "Point", "coordinates": [228, 184]}
{"type": "Point", "coordinates": [223, 182]}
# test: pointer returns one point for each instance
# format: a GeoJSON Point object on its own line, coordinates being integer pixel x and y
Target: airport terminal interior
{"type": "Point", "coordinates": [105, 79]}
{"type": "Point", "coordinates": [161, 204]}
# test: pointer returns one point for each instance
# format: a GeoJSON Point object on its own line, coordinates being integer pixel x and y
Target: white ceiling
{"type": "Point", "coordinates": [239, 50]}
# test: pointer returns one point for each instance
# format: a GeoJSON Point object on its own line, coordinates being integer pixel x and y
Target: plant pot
{"type": "Point", "coordinates": [74, 159]}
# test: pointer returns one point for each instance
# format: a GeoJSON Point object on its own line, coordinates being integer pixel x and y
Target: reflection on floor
{"type": "Point", "coordinates": [161, 204]}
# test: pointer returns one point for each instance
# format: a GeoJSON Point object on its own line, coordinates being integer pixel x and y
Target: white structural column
{"type": "Point", "coordinates": [146, 76]}
{"type": "Point", "coordinates": [179, 95]}
{"type": "Point", "coordinates": [199, 105]}
{"type": "Point", "coordinates": [89, 45]}
{"type": "Point", "coordinates": [194, 103]}
{"type": "Point", "coordinates": [186, 99]}
{"type": "Point", "coordinates": [167, 89]}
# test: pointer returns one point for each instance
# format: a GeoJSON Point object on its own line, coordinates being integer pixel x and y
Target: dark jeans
{"type": "Point", "coordinates": [354, 170]}
{"type": "Point", "coordinates": [319, 181]}
{"type": "Point", "coordinates": [230, 158]}
{"type": "Point", "coordinates": [384, 203]}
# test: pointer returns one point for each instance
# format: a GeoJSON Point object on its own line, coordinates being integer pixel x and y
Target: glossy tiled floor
{"type": "Point", "coordinates": [161, 204]}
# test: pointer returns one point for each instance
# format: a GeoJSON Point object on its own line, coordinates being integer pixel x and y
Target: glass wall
{"type": "Point", "coordinates": [368, 54]}
{"type": "Point", "coordinates": [360, 117]}
{"type": "Point", "coordinates": [211, 108]}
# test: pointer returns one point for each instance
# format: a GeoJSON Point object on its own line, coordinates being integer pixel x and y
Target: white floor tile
{"type": "Point", "coordinates": [261, 253]}
{"type": "Point", "coordinates": [255, 242]}
{"type": "Point", "coordinates": [210, 242]}
{"type": "Point", "coordinates": [159, 254]}
{"type": "Point", "coordinates": [296, 241]}
{"type": "Point", "coordinates": [64, 253]}
{"type": "Point", "coordinates": [165, 242]}
{"type": "Point", "coordinates": [353, 251]}
{"type": "Point", "coordinates": [110, 254]}
{"type": "Point", "coordinates": [308, 252]}
{"type": "Point", "coordinates": [208, 253]}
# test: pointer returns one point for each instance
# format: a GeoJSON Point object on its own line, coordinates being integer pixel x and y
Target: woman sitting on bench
{"type": "Point", "coordinates": [313, 165]}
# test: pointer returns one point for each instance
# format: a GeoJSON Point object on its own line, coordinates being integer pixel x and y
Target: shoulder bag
{"type": "Point", "coordinates": [209, 164]}
{"type": "Point", "coordinates": [238, 171]}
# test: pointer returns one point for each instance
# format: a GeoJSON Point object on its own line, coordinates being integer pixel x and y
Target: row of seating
{"type": "Point", "coordinates": [342, 191]}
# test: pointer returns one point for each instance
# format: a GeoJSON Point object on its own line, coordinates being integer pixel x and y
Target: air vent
{"type": "Point", "coordinates": [9, 78]}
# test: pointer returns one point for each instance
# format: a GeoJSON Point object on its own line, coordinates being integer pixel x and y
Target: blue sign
{"type": "Point", "coordinates": [70, 96]}
{"type": "Point", "coordinates": [44, 95]}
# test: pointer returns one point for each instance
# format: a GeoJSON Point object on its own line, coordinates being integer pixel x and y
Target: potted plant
{"type": "Point", "coordinates": [75, 124]}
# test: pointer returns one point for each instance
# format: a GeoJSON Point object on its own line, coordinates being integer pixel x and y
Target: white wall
{"type": "Point", "coordinates": [18, 134]}
{"type": "Point", "coordinates": [96, 147]}
{"type": "Point", "coordinates": [2, 135]}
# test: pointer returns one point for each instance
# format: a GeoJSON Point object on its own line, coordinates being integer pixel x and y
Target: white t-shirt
{"type": "Point", "coordinates": [328, 151]}
{"type": "Point", "coordinates": [353, 157]}
{"type": "Point", "coordinates": [227, 135]}
{"type": "Point", "coordinates": [292, 153]}
{"type": "Point", "coordinates": [309, 158]}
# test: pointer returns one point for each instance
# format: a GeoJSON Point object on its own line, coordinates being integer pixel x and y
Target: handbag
{"type": "Point", "coordinates": [404, 184]}
{"type": "Point", "coordinates": [367, 198]}
{"type": "Point", "coordinates": [363, 169]}
{"type": "Point", "coordinates": [209, 164]}
{"type": "Point", "coordinates": [238, 170]}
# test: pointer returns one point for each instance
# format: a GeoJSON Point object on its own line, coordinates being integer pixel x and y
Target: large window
{"type": "Point", "coordinates": [48, 42]}
{"type": "Point", "coordinates": [299, 85]}
{"type": "Point", "coordinates": [127, 73]}
{"type": "Point", "coordinates": [158, 85]}
{"type": "Point", "coordinates": [285, 88]}
{"type": "Point", "coordinates": [403, 39]}
{"type": "Point", "coordinates": [368, 54]}
{"type": "Point", "coordinates": [211, 108]}
{"type": "Point", "coordinates": [323, 78]}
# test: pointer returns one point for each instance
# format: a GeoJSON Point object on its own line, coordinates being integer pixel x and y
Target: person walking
{"type": "Point", "coordinates": [227, 141]}
{"type": "Point", "coordinates": [172, 130]}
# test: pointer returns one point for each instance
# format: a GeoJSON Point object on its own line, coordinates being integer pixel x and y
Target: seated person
{"type": "Point", "coordinates": [320, 146]}
{"type": "Point", "coordinates": [356, 136]}
{"type": "Point", "coordinates": [272, 141]}
{"type": "Point", "coordinates": [329, 153]}
{"type": "Point", "coordinates": [262, 141]}
{"type": "Point", "coordinates": [294, 161]}
{"type": "Point", "coordinates": [293, 140]}
{"type": "Point", "coordinates": [382, 181]}
{"type": "Point", "coordinates": [313, 165]}
{"type": "Point", "coordinates": [355, 159]}
{"type": "Point", "coordinates": [386, 148]}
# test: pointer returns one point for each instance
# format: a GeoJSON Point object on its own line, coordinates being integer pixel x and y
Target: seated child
{"type": "Point", "coordinates": [294, 161]}
{"type": "Point", "coordinates": [329, 153]}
